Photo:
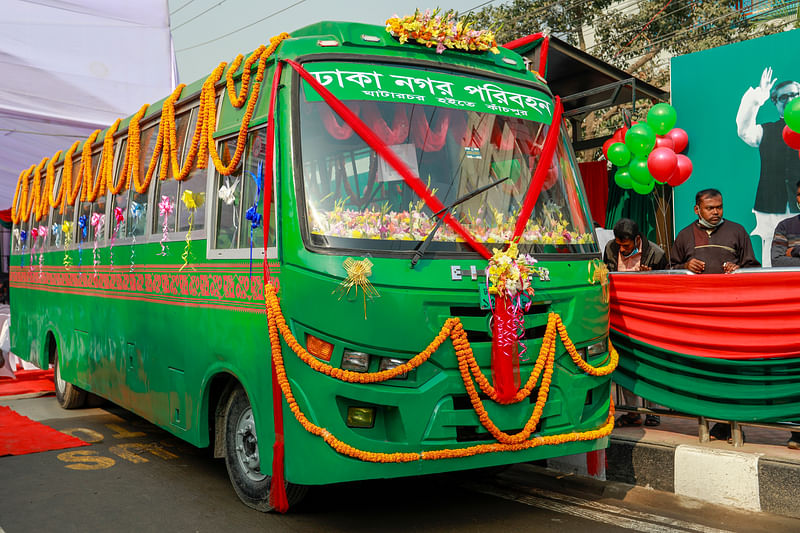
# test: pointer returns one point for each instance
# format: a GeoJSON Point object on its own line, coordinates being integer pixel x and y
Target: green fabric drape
{"type": "Point", "coordinates": [762, 390]}
{"type": "Point", "coordinates": [624, 203]}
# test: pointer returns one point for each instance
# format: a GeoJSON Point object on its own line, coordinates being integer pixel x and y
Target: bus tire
{"type": "Point", "coordinates": [242, 457]}
{"type": "Point", "coordinates": [68, 395]}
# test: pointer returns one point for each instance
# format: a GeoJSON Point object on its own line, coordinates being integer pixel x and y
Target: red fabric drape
{"type": "Point", "coordinates": [427, 138]}
{"type": "Point", "coordinates": [595, 182]}
{"type": "Point", "coordinates": [5, 215]}
{"type": "Point", "coordinates": [748, 315]}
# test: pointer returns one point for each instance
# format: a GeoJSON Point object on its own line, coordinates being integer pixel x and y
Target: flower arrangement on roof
{"type": "Point", "coordinates": [442, 30]}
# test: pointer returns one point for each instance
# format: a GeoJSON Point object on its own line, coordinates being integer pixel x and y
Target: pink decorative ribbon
{"type": "Point", "coordinates": [97, 222]}
{"type": "Point", "coordinates": [43, 236]}
{"type": "Point", "coordinates": [165, 209]}
{"type": "Point", "coordinates": [118, 218]}
{"type": "Point", "coordinates": [34, 234]}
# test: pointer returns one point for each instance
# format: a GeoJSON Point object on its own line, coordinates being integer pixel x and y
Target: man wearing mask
{"type": "Point", "coordinates": [786, 253]}
{"type": "Point", "coordinates": [711, 244]}
{"type": "Point", "coordinates": [631, 251]}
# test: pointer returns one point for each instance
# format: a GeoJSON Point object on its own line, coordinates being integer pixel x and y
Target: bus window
{"type": "Point", "coordinates": [136, 216]}
{"type": "Point", "coordinates": [196, 183]}
{"type": "Point", "coordinates": [169, 187]}
{"type": "Point", "coordinates": [54, 238]}
{"type": "Point", "coordinates": [254, 166]}
{"type": "Point", "coordinates": [236, 194]}
{"type": "Point", "coordinates": [229, 202]}
{"type": "Point", "coordinates": [120, 200]}
{"type": "Point", "coordinates": [354, 199]}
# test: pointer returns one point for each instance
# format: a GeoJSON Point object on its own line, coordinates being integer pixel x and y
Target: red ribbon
{"type": "Point", "coordinates": [277, 490]}
{"type": "Point", "coordinates": [396, 163]}
{"type": "Point", "coordinates": [539, 175]}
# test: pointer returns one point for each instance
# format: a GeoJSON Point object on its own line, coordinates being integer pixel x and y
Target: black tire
{"type": "Point", "coordinates": [242, 457]}
{"type": "Point", "coordinates": [68, 395]}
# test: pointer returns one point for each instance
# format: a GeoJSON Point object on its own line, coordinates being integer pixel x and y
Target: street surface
{"type": "Point", "coordinates": [136, 477]}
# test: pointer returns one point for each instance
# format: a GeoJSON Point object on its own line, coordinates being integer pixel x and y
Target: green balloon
{"type": "Point", "coordinates": [643, 188]}
{"type": "Point", "coordinates": [623, 178]}
{"type": "Point", "coordinates": [791, 114]}
{"type": "Point", "coordinates": [639, 171]}
{"type": "Point", "coordinates": [640, 139]}
{"type": "Point", "coordinates": [619, 154]}
{"type": "Point", "coordinates": [662, 118]}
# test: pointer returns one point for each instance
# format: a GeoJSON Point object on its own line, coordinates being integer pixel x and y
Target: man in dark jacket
{"type": "Point", "coordinates": [786, 252]}
{"type": "Point", "coordinates": [630, 251]}
{"type": "Point", "coordinates": [711, 244]}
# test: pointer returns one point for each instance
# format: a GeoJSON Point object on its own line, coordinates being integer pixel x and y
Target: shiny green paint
{"type": "Point", "coordinates": [164, 358]}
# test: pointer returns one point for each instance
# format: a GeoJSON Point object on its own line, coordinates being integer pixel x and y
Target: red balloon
{"type": "Point", "coordinates": [606, 145]}
{"type": "Point", "coordinates": [680, 138]}
{"type": "Point", "coordinates": [661, 163]}
{"type": "Point", "coordinates": [662, 141]}
{"type": "Point", "coordinates": [791, 138]}
{"type": "Point", "coordinates": [619, 135]}
{"type": "Point", "coordinates": [683, 172]}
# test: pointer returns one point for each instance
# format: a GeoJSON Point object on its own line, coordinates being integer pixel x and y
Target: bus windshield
{"type": "Point", "coordinates": [452, 133]}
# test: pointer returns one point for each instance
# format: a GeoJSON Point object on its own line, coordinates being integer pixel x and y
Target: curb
{"type": "Point", "coordinates": [748, 481]}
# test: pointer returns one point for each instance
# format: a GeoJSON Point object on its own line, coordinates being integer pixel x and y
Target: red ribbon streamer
{"type": "Point", "coordinates": [539, 175]}
{"type": "Point", "coordinates": [380, 147]}
{"type": "Point", "coordinates": [277, 492]}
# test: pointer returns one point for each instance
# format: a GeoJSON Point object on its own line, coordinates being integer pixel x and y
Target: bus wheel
{"type": "Point", "coordinates": [68, 395]}
{"type": "Point", "coordinates": [242, 457]}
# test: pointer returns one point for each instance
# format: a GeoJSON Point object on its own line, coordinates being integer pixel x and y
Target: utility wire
{"type": "Point", "coordinates": [241, 28]}
{"type": "Point", "coordinates": [184, 5]}
{"type": "Point", "coordinates": [185, 22]}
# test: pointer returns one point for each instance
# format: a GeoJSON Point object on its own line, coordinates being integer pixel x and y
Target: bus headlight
{"type": "Point", "coordinates": [360, 417]}
{"type": "Point", "coordinates": [355, 361]}
{"type": "Point", "coordinates": [597, 348]}
{"type": "Point", "coordinates": [388, 363]}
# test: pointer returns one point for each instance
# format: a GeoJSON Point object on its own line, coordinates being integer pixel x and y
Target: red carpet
{"type": "Point", "coordinates": [20, 435]}
{"type": "Point", "coordinates": [27, 381]}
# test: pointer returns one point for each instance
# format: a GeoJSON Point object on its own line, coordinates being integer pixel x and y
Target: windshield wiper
{"type": "Point", "coordinates": [419, 251]}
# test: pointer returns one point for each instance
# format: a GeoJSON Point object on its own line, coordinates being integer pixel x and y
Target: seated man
{"type": "Point", "coordinates": [630, 251]}
{"type": "Point", "coordinates": [711, 244]}
{"type": "Point", "coordinates": [786, 252]}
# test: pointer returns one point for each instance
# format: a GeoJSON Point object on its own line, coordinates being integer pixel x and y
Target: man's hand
{"type": "Point", "coordinates": [729, 267]}
{"type": "Point", "coordinates": [644, 268]}
{"type": "Point", "coordinates": [696, 266]}
{"type": "Point", "coordinates": [761, 93]}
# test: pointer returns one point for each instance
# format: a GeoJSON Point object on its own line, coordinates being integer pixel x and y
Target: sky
{"type": "Point", "coordinates": [205, 32]}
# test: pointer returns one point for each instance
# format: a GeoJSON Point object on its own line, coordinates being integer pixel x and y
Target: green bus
{"type": "Point", "coordinates": [353, 323]}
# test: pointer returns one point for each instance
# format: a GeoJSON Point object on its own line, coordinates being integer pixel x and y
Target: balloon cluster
{"type": "Point", "coordinates": [649, 152]}
{"type": "Point", "coordinates": [791, 131]}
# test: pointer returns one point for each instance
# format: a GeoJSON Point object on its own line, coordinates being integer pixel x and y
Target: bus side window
{"type": "Point", "coordinates": [254, 166]}
{"type": "Point", "coordinates": [54, 237]}
{"type": "Point", "coordinates": [228, 192]}
{"type": "Point", "coordinates": [235, 195]}
{"type": "Point", "coordinates": [194, 182]}
{"type": "Point", "coordinates": [170, 187]}
{"type": "Point", "coordinates": [134, 203]}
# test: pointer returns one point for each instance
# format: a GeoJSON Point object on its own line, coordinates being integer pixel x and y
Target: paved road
{"type": "Point", "coordinates": [135, 477]}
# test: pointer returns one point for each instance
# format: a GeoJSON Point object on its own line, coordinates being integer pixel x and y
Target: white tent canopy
{"type": "Point", "coordinates": [70, 67]}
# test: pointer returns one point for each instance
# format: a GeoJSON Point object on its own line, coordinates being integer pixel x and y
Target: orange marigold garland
{"type": "Point", "coordinates": [203, 145]}
{"type": "Point", "coordinates": [453, 329]}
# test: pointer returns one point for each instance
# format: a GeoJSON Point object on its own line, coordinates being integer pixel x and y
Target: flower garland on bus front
{"type": "Point", "coordinates": [466, 362]}
{"type": "Point", "coordinates": [202, 147]}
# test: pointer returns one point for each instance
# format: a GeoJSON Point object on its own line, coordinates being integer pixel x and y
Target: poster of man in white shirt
{"type": "Point", "coordinates": [780, 164]}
